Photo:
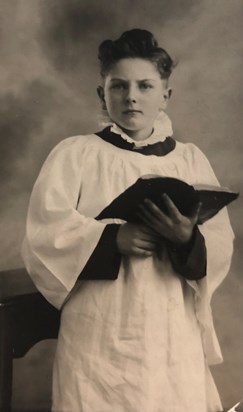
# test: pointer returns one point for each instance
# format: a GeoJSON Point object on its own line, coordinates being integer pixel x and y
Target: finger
{"type": "Point", "coordinates": [194, 215]}
{"type": "Point", "coordinates": [147, 237]}
{"type": "Point", "coordinates": [173, 211]}
{"type": "Point", "coordinates": [148, 220]}
{"type": "Point", "coordinates": [146, 245]}
{"type": "Point", "coordinates": [154, 209]}
{"type": "Point", "coordinates": [145, 216]}
{"type": "Point", "coordinates": [141, 252]}
{"type": "Point", "coordinates": [152, 213]}
{"type": "Point", "coordinates": [146, 231]}
{"type": "Point", "coordinates": [158, 228]}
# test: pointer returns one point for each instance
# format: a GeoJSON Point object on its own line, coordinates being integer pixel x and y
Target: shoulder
{"type": "Point", "coordinates": [197, 163]}
{"type": "Point", "coordinates": [70, 153]}
{"type": "Point", "coordinates": [191, 153]}
{"type": "Point", "coordinates": [74, 147]}
{"type": "Point", "coordinates": [75, 143]}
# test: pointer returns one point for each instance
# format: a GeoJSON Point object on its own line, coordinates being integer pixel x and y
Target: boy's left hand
{"type": "Point", "coordinates": [173, 226]}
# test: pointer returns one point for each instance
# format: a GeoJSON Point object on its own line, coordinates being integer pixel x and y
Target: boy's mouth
{"type": "Point", "coordinates": [131, 111]}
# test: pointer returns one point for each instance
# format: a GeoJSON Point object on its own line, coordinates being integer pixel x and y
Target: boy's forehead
{"type": "Point", "coordinates": [114, 79]}
{"type": "Point", "coordinates": [133, 68]}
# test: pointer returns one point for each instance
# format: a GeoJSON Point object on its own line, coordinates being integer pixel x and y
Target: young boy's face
{"type": "Point", "coordinates": [134, 93]}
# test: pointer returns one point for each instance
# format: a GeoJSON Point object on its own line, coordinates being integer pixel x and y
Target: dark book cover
{"type": "Point", "coordinates": [184, 196]}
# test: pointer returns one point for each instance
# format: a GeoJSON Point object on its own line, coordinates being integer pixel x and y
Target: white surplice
{"type": "Point", "coordinates": [142, 342]}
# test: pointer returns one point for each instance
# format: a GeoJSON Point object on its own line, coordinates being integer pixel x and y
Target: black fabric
{"type": "Point", "coordinates": [190, 260]}
{"type": "Point", "coordinates": [104, 263]}
{"type": "Point", "coordinates": [157, 149]}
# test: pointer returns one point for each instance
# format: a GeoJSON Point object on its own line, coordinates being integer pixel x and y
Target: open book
{"type": "Point", "coordinates": [184, 196]}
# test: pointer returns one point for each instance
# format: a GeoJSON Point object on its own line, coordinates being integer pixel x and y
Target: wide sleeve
{"type": "Point", "coordinates": [217, 231]}
{"type": "Point", "coordinates": [59, 240]}
{"type": "Point", "coordinates": [190, 260]}
{"type": "Point", "coordinates": [219, 238]}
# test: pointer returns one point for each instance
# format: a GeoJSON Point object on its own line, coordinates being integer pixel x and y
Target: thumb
{"type": "Point", "coordinates": [194, 215]}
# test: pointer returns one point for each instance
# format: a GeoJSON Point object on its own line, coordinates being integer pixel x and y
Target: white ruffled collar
{"type": "Point", "coordinates": [162, 129]}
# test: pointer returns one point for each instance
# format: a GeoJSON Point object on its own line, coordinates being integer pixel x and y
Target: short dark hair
{"type": "Point", "coordinates": [135, 43]}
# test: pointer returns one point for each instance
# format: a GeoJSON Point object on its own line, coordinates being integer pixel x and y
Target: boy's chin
{"type": "Point", "coordinates": [134, 127]}
{"type": "Point", "coordinates": [130, 130]}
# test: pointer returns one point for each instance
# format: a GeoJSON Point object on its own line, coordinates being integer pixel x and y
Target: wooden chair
{"type": "Point", "coordinates": [25, 319]}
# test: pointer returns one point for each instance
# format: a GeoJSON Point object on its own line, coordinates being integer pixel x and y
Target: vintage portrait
{"type": "Point", "coordinates": [121, 181]}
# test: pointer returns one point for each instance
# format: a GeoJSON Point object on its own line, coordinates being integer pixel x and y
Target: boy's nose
{"type": "Point", "coordinates": [131, 96]}
{"type": "Point", "coordinates": [130, 99]}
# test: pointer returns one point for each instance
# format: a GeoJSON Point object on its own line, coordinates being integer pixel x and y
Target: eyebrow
{"type": "Point", "coordinates": [124, 80]}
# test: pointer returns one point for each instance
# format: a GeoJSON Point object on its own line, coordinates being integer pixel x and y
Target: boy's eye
{"type": "Point", "coordinates": [118, 86]}
{"type": "Point", "coordinates": [146, 86]}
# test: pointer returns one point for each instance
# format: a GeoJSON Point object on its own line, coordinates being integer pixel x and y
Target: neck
{"type": "Point", "coordinates": [138, 135]}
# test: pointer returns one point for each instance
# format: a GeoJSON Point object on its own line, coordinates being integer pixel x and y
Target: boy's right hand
{"type": "Point", "coordinates": [136, 239]}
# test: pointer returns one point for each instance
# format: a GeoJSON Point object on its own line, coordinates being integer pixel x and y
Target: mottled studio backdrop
{"type": "Point", "coordinates": [48, 78]}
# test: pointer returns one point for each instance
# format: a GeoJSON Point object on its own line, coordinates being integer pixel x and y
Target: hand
{"type": "Point", "coordinates": [136, 239]}
{"type": "Point", "coordinates": [175, 227]}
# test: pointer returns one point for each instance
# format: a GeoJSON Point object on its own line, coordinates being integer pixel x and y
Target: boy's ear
{"type": "Point", "coordinates": [166, 97]}
{"type": "Point", "coordinates": [101, 94]}
{"type": "Point", "coordinates": [169, 93]}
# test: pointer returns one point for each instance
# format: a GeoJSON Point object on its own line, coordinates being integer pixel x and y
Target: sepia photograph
{"type": "Point", "coordinates": [121, 206]}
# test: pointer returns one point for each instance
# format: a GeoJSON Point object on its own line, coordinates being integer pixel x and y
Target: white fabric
{"type": "Point", "coordinates": [140, 343]}
{"type": "Point", "coordinates": [162, 129]}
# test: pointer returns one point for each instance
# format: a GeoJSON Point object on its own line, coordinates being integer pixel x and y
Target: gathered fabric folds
{"type": "Point", "coordinates": [142, 342]}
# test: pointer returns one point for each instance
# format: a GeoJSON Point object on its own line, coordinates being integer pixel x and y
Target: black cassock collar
{"type": "Point", "coordinates": [157, 149]}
